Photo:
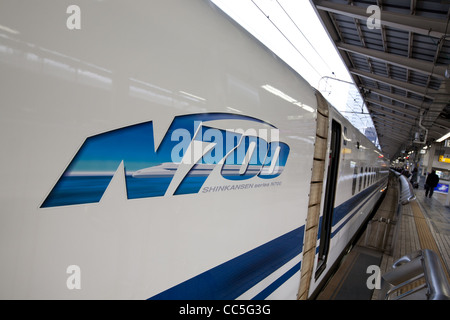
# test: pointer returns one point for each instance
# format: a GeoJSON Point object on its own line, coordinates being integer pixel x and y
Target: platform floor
{"type": "Point", "coordinates": [421, 224]}
{"type": "Point", "coordinates": [437, 216]}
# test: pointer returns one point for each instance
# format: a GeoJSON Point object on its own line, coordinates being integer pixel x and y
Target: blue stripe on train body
{"type": "Point", "coordinates": [234, 277]}
{"type": "Point", "coordinates": [149, 171]}
{"type": "Point", "coordinates": [349, 208]}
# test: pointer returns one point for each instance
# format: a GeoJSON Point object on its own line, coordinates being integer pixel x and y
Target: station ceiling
{"type": "Point", "coordinates": [400, 64]}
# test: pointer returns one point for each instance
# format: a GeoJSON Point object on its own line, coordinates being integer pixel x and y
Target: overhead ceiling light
{"type": "Point", "coordinates": [443, 137]}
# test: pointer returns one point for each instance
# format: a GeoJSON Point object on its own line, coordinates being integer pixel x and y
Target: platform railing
{"type": "Point", "coordinates": [384, 226]}
{"type": "Point", "coordinates": [418, 276]}
{"type": "Point", "coordinates": [379, 234]}
{"type": "Point", "coordinates": [406, 190]}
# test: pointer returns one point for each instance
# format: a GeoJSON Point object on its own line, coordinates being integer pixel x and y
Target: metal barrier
{"type": "Point", "coordinates": [422, 268]}
{"type": "Point", "coordinates": [382, 233]}
{"type": "Point", "coordinates": [405, 195]}
{"type": "Point", "coordinates": [406, 190]}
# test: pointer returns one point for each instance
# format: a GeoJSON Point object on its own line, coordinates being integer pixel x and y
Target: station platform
{"type": "Point", "coordinates": [394, 231]}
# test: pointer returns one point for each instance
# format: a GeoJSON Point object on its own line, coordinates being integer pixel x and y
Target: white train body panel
{"type": "Point", "coordinates": [97, 105]}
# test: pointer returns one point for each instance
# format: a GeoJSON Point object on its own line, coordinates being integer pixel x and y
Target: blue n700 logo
{"type": "Point", "coordinates": [149, 171]}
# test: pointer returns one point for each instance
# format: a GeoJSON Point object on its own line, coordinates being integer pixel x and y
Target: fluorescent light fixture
{"type": "Point", "coordinates": [443, 137]}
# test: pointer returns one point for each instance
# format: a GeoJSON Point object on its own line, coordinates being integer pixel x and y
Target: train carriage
{"type": "Point", "coordinates": [155, 158]}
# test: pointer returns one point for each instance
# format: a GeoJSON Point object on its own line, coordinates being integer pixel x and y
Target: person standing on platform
{"type": "Point", "coordinates": [431, 183]}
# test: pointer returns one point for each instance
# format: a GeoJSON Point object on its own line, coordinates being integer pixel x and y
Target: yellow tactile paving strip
{"type": "Point", "coordinates": [425, 236]}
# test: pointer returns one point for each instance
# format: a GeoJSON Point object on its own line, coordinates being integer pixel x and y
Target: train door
{"type": "Point", "coordinates": [330, 193]}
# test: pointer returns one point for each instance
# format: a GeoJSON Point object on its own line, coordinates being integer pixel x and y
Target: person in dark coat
{"type": "Point", "coordinates": [431, 183]}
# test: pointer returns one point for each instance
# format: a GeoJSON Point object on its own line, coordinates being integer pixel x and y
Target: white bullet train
{"type": "Point", "coordinates": [158, 151]}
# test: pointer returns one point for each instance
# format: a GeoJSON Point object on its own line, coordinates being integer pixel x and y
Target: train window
{"type": "Point", "coordinates": [355, 177]}
{"type": "Point", "coordinates": [365, 178]}
{"type": "Point", "coordinates": [368, 176]}
{"type": "Point", "coordinates": [360, 178]}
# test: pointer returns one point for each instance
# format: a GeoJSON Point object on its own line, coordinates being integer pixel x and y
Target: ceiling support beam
{"type": "Point", "coordinates": [441, 100]}
{"type": "Point", "coordinates": [410, 113]}
{"type": "Point", "coordinates": [421, 66]}
{"type": "Point", "coordinates": [442, 124]}
{"type": "Point", "coordinates": [395, 116]}
{"type": "Point", "coordinates": [395, 113]}
{"type": "Point", "coordinates": [387, 129]}
{"type": "Point", "coordinates": [436, 132]}
{"type": "Point", "coordinates": [398, 140]}
{"type": "Point", "coordinates": [411, 102]}
{"type": "Point", "coordinates": [426, 92]}
{"type": "Point", "coordinates": [395, 140]}
{"type": "Point", "coordinates": [401, 127]}
{"type": "Point", "coordinates": [390, 134]}
{"type": "Point", "coordinates": [392, 137]}
{"type": "Point", "coordinates": [411, 23]}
